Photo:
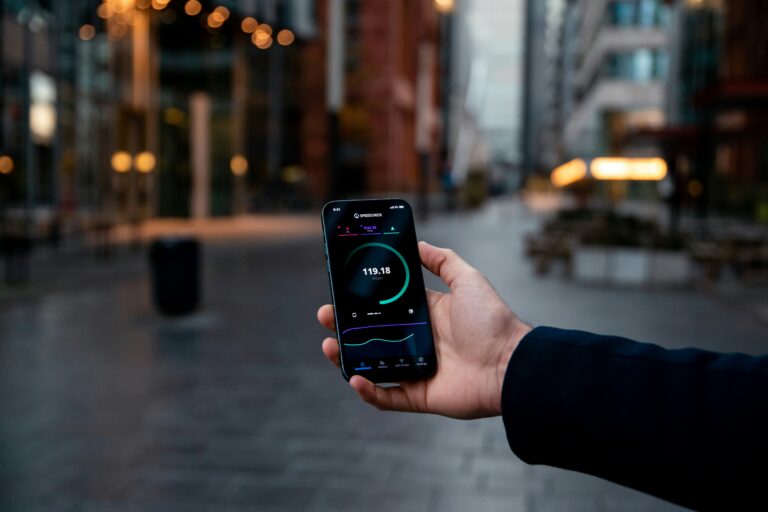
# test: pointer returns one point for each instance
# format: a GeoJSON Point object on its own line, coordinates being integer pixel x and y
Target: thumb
{"type": "Point", "coordinates": [444, 263]}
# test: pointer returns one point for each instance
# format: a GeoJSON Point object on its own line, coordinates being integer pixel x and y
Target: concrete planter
{"type": "Point", "coordinates": [590, 264]}
{"type": "Point", "coordinates": [670, 268]}
{"type": "Point", "coordinates": [630, 267]}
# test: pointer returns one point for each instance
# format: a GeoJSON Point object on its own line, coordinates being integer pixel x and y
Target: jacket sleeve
{"type": "Point", "coordinates": [688, 426]}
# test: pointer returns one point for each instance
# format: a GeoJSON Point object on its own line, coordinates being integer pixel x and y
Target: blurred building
{"type": "Point", "coordinates": [681, 79]}
{"type": "Point", "coordinates": [620, 75]}
{"type": "Point", "coordinates": [716, 138]}
{"type": "Point", "coordinates": [546, 64]}
{"type": "Point", "coordinates": [36, 115]}
{"type": "Point", "coordinates": [121, 110]}
{"type": "Point", "coordinates": [389, 123]}
{"type": "Point", "coordinates": [496, 35]}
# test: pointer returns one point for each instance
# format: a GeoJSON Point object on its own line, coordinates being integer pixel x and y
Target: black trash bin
{"type": "Point", "coordinates": [16, 251]}
{"type": "Point", "coordinates": [175, 264]}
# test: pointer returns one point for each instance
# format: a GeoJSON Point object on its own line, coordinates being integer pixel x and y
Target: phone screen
{"type": "Point", "coordinates": [382, 318]}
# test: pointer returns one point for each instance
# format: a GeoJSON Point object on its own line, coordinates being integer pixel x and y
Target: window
{"type": "Point", "coordinates": [637, 13]}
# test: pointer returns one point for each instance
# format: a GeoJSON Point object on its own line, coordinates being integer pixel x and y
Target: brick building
{"type": "Point", "coordinates": [389, 121]}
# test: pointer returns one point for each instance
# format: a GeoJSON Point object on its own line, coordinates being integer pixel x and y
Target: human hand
{"type": "Point", "coordinates": [475, 334]}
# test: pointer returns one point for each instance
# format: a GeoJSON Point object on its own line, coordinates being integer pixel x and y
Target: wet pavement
{"type": "Point", "coordinates": [106, 406]}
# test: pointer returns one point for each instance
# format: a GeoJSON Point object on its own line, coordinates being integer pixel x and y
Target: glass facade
{"type": "Point", "coordinates": [640, 65]}
{"type": "Point", "coordinates": [637, 13]}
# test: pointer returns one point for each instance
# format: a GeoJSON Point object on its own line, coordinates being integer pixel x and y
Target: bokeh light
{"type": "Point", "coordinates": [238, 165]}
{"type": "Point", "coordinates": [223, 12]}
{"type": "Point", "coordinates": [105, 11]}
{"type": "Point", "coordinates": [444, 6]}
{"type": "Point", "coordinates": [121, 161]}
{"type": "Point", "coordinates": [6, 164]}
{"type": "Point", "coordinates": [193, 7]}
{"type": "Point", "coordinates": [145, 162]}
{"type": "Point", "coordinates": [285, 37]}
{"type": "Point", "coordinates": [249, 24]}
{"type": "Point", "coordinates": [215, 19]}
{"type": "Point", "coordinates": [87, 32]}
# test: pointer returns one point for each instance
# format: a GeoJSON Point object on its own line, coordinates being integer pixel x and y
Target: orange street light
{"type": "Point", "coordinates": [634, 169]}
{"type": "Point", "coordinates": [569, 172]}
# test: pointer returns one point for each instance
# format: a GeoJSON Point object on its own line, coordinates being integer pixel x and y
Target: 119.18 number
{"type": "Point", "coordinates": [375, 271]}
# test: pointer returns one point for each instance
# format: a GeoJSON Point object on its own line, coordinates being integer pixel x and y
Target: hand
{"type": "Point", "coordinates": [475, 334]}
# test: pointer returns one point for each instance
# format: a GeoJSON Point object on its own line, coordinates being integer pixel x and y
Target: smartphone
{"type": "Point", "coordinates": [374, 269]}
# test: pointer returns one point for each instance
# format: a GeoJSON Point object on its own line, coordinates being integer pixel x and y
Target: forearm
{"type": "Point", "coordinates": [684, 425]}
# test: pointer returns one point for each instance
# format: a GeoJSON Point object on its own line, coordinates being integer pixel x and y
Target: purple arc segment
{"type": "Point", "coordinates": [380, 325]}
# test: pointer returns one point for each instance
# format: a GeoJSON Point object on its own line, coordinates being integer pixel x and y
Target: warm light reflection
{"type": "Point", "coordinates": [145, 162]}
{"type": "Point", "coordinates": [121, 161]}
{"type": "Point", "coordinates": [87, 32]}
{"type": "Point", "coordinates": [264, 27]}
{"type": "Point", "coordinates": [238, 165]}
{"type": "Point", "coordinates": [639, 169]}
{"type": "Point", "coordinates": [249, 24]}
{"type": "Point", "coordinates": [285, 37]}
{"type": "Point", "coordinates": [444, 6]}
{"type": "Point", "coordinates": [160, 4]}
{"type": "Point", "coordinates": [6, 164]}
{"type": "Point", "coordinates": [193, 7]}
{"type": "Point", "coordinates": [569, 172]}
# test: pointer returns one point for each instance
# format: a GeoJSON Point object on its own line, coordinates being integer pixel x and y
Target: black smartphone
{"type": "Point", "coordinates": [374, 268]}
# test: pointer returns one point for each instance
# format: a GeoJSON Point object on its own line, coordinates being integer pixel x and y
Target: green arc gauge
{"type": "Point", "coordinates": [402, 260]}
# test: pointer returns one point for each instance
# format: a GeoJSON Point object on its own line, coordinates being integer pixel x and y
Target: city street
{"type": "Point", "coordinates": [107, 406]}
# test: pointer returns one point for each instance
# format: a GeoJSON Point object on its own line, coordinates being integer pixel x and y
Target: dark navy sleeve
{"type": "Point", "coordinates": [688, 426]}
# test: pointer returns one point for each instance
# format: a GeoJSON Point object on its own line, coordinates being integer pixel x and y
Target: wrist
{"type": "Point", "coordinates": [517, 332]}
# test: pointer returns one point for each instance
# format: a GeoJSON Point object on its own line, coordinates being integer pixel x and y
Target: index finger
{"type": "Point", "coordinates": [326, 317]}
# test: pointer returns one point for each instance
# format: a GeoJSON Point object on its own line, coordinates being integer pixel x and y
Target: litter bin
{"type": "Point", "coordinates": [175, 269]}
{"type": "Point", "coordinates": [16, 250]}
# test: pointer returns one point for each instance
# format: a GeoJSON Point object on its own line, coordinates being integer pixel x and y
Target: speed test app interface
{"type": "Point", "coordinates": [378, 288]}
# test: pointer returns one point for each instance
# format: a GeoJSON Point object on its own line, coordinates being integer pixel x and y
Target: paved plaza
{"type": "Point", "coordinates": [106, 406]}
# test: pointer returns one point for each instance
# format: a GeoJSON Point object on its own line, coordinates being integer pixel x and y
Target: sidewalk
{"type": "Point", "coordinates": [114, 408]}
{"type": "Point", "coordinates": [77, 263]}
